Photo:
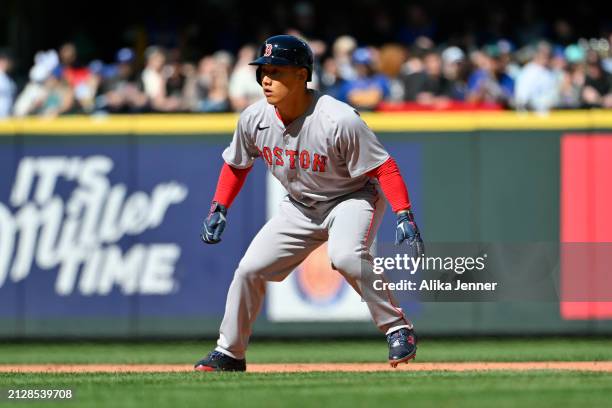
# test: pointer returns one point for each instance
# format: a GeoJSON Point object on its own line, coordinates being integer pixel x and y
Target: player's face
{"type": "Point", "coordinates": [278, 81]}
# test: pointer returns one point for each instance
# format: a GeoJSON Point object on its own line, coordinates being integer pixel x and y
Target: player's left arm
{"type": "Point", "coordinates": [394, 188]}
{"type": "Point", "coordinates": [364, 154]}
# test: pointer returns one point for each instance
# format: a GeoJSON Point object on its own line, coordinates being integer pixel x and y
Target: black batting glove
{"type": "Point", "coordinates": [214, 224]}
{"type": "Point", "coordinates": [407, 230]}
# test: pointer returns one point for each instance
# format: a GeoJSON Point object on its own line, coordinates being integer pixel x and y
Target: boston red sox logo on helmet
{"type": "Point", "coordinates": [284, 50]}
{"type": "Point", "coordinates": [268, 50]}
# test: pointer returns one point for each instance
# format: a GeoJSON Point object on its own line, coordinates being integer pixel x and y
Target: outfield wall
{"type": "Point", "coordinates": [100, 217]}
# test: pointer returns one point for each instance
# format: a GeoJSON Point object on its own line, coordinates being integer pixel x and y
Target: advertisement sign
{"type": "Point", "coordinates": [109, 228]}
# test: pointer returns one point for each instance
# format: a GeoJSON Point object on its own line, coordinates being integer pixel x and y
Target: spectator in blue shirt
{"type": "Point", "coordinates": [369, 88]}
{"type": "Point", "coordinates": [489, 83]}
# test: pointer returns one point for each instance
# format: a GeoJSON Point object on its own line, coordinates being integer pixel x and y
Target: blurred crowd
{"type": "Point", "coordinates": [538, 76]}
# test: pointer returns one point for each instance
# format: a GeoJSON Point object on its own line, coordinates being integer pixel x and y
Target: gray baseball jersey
{"type": "Point", "coordinates": [322, 155]}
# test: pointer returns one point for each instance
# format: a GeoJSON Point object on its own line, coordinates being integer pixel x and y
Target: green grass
{"type": "Point", "coordinates": [418, 389]}
{"type": "Point", "coordinates": [410, 389]}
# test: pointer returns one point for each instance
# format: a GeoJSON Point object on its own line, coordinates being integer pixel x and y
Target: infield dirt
{"type": "Point", "coordinates": [593, 366]}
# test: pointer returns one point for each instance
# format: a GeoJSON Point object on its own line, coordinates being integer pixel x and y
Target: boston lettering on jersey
{"type": "Point", "coordinates": [293, 158]}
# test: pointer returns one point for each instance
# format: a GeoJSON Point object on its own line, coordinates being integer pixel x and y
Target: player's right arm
{"type": "Point", "coordinates": [238, 157]}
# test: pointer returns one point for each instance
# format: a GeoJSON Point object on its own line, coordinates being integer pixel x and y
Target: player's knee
{"type": "Point", "coordinates": [347, 262]}
{"type": "Point", "coordinates": [247, 270]}
{"type": "Point", "coordinates": [253, 269]}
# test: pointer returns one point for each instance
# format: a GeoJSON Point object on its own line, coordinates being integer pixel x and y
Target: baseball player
{"type": "Point", "coordinates": [333, 167]}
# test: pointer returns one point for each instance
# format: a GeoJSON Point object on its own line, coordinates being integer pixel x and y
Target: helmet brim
{"type": "Point", "coordinates": [272, 60]}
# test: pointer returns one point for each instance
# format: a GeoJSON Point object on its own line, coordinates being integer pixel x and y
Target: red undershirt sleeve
{"type": "Point", "coordinates": [230, 182]}
{"type": "Point", "coordinates": [392, 184]}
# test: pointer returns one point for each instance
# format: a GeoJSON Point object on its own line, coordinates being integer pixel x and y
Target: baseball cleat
{"type": "Point", "coordinates": [402, 346]}
{"type": "Point", "coordinates": [217, 361]}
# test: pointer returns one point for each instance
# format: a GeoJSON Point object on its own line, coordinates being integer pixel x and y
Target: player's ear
{"type": "Point", "coordinates": [302, 74]}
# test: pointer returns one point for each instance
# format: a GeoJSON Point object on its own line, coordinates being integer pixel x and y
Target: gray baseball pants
{"type": "Point", "coordinates": [349, 226]}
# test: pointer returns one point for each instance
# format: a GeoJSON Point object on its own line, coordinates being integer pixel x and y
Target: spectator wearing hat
{"type": "Point", "coordinates": [46, 93]}
{"type": "Point", "coordinates": [454, 70]}
{"type": "Point", "coordinates": [489, 83]}
{"type": "Point", "coordinates": [118, 91]}
{"type": "Point", "coordinates": [32, 95]}
{"type": "Point", "coordinates": [506, 63]}
{"type": "Point", "coordinates": [569, 79]}
{"type": "Point", "coordinates": [569, 66]}
{"type": "Point", "coordinates": [369, 88]}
